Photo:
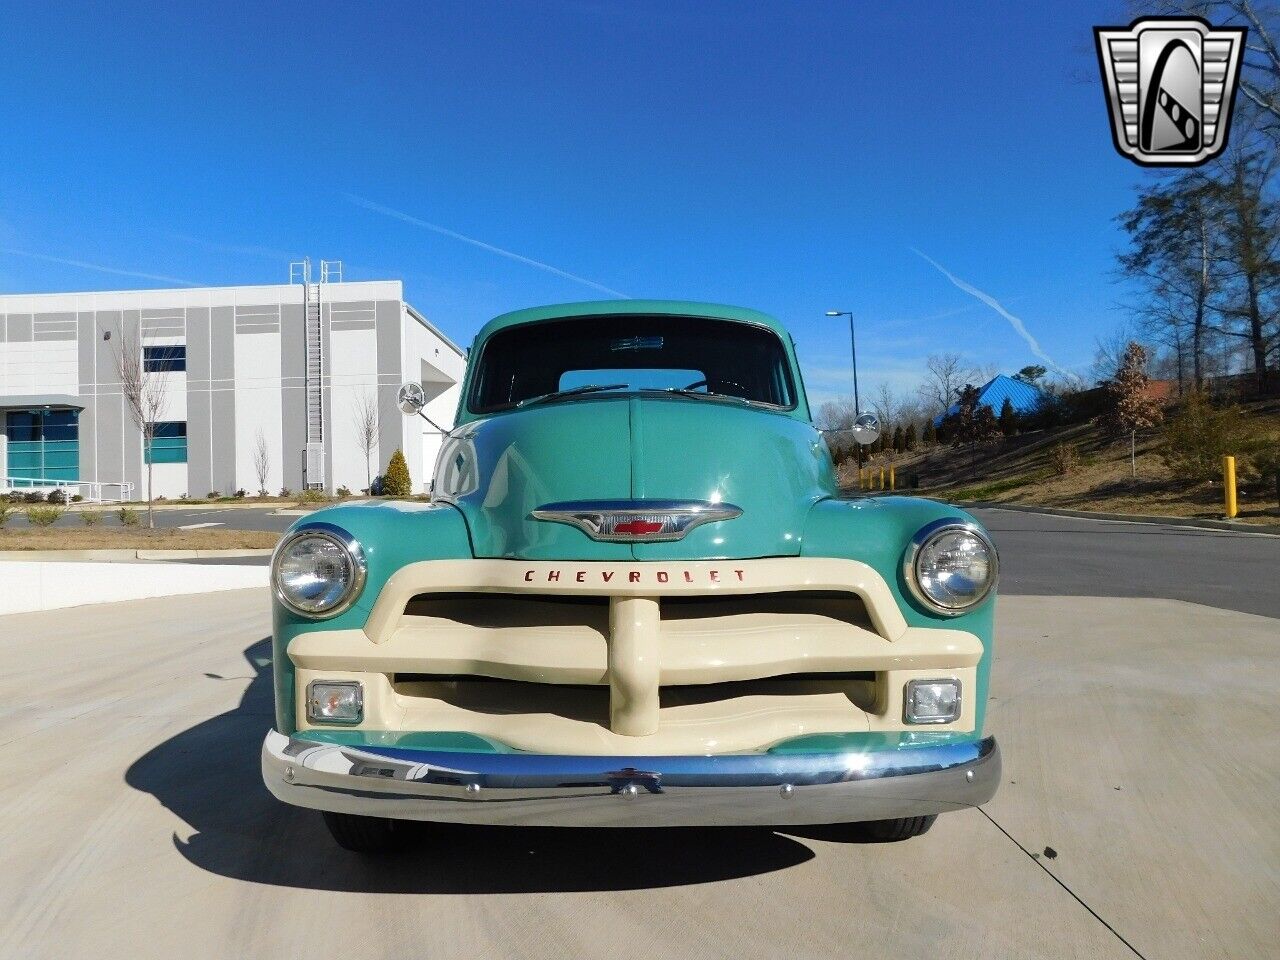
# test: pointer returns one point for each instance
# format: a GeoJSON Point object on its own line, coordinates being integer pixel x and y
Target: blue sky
{"type": "Point", "coordinates": [792, 157]}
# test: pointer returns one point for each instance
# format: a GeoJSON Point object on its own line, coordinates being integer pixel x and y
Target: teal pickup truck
{"type": "Point", "coordinates": [636, 598]}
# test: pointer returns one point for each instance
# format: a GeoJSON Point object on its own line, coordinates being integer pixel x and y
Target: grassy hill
{"type": "Point", "coordinates": [1025, 470]}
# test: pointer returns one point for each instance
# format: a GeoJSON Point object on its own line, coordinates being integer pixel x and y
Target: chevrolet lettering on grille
{"type": "Point", "coordinates": [628, 521]}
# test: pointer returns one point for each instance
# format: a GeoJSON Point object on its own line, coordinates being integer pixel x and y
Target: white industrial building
{"type": "Point", "coordinates": [283, 368]}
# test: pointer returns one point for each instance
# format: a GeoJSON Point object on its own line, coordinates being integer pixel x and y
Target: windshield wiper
{"type": "Point", "coordinates": [710, 394]}
{"type": "Point", "coordinates": [561, 394]}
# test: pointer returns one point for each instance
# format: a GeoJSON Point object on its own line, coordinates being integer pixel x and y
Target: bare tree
{"type": "Point", "coordinates": [886, 406]}
{"type": "Point", "coordinates": [147, 394]}
{"type": "Point", "coordinates": [945, 374]}
{"type": "Point", "coordinates": [836, 415]}
{"type": "Point", "coordinates": [1109, 350]}
{"type": "Point", "coordinates": [261, 461]}
{"type": "Point", "coordinates": [365, 414]}
{"type": "Point", "coordinates": [1260, 65]}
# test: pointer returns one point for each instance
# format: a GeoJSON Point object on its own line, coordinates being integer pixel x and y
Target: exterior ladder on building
{"type": "Point", "coordinates": [313, 331]}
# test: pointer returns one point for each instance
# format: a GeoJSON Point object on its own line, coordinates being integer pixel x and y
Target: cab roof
{"type": "Point", "coordinates": [591, 308]}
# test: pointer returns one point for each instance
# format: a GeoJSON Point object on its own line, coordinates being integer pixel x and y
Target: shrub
{"type": "Point", "coordinates": [313, 496]}
{"type": "Point", "coordinates": [6, 512]}
{"type": "Point", "coordinates": [33, 497]}
{"type": "Point", "coordinates": [241, 494]}
{"type": "Point", "coordinates": [1194, 441]}
{"type": "Point", "coordinates": [129, 517]}
{"type": "Point", "coordinates": [57, 495]}
{"type": "Point", "coordinates": [76, 498]}
{"type": "Point", "coordinates": [1266, 460]}
{"type": "Point", "coordinates": [396, 482]}
{"type": "Point", "coordinates": [90, 518]}
{"type": "Point", "coordinates": [1065, 459]}
{"type": "Point", "coordinates": [344, 491]}
{"type": "Point", "coordinates": [847, 472]}
{"type": "Point", "coordinates": [285, 492]}
{"type": "Point", "coordinates": [44, 516]}
{"type": "Point", "coordinates": [214, 495]}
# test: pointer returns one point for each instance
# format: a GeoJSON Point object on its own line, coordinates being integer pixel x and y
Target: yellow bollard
{"type": "Point", "coordinates": [1229, 485]}
{"type": "Point", "coordinates": [893, 480]}
{"type": "Point", "coordinates": [882, 478]}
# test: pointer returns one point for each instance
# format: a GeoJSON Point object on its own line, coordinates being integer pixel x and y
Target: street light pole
{"type": "Point", "coordinates": [853, 353]}
{"type": "Point", "coordinates": [853, 356]}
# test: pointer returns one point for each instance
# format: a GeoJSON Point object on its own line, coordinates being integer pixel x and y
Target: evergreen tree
{"type": "Point", "coordinates": [930, 433]}
{"type": "Point", "coordinates": [973, 422]}
{"type": "Point", "coordinates": [396, 482]}
{"type": "Point", "coordinates": [1008, 419]}
{"type": "Point", "coordinates": [898, 440]}
{"type": "Point", "coordinates": [909, 438]}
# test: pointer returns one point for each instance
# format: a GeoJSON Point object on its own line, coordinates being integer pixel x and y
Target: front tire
{"type": "Point", "coordinates": [368, 835]}
{"type": "Point", "coordinates": [893, 831]}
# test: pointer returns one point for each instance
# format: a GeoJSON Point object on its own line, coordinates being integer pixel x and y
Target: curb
{"type": "Point", "coordinates": [124, 556]}
{"type": "Point", "coordinates": [34, 585]}
{"type": "Point", "coordinates": [1235, 526]}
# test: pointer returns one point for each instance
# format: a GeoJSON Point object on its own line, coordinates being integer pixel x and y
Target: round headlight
{"type": "Point", "coordinates": [318, 571]}
{"type": "Point", "coordinates": [951, 566]}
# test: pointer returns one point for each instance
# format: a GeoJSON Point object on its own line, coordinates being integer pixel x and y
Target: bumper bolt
{"type": "Point", "coordinates": [473, 788]}
{"type": "Point", "coordinates": [787, 791]}
{"type": "Point", "coordinates": [968, 775]}
{"type": "Point", "coordinates": [630, 791]}
{"type": "Point", "coordinates": [288, 774]}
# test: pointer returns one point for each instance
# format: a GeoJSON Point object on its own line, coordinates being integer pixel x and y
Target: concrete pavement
{"type": "Point", "coordinates": [1136, 816]}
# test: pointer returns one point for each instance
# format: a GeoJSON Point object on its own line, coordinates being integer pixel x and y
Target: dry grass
{"type": "Point", "coordinates": [1022, 471]}
{"type": "Point", "coordinates": [125, 538]}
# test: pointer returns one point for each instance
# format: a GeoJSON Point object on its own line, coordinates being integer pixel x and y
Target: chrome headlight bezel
{"type": "Point", "coordinates": [926, 535]}
{"type": "Point", "coordinates": [354, 554]}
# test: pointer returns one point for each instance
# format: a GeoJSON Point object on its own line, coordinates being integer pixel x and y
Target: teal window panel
{"type": "Point", "coordinates": [43, 444]}
{"type": "Point", "coordinates": [167, 450]}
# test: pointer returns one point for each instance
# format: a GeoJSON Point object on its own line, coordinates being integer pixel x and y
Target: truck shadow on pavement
{"type": "Point", "coordinates": [209, 776]}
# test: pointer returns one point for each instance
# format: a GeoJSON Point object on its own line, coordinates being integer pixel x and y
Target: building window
{"type": "Point", "coordinates": [168, 443]}
{"type": "Point", "coordinates": [43, 445]}
{"type": "Point", "coordinates": [168, 358]}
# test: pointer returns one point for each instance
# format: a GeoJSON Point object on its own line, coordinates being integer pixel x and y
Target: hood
{"type": "Point", "coordinates": [498, 470]}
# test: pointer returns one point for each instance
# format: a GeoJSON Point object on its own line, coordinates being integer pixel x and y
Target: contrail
{"type": "Point", "coordinates": [97, 266]}
{"type": "Point", "coordinates": [445, 231]}
{"type": "Point", "coordinates": [1018, 326]}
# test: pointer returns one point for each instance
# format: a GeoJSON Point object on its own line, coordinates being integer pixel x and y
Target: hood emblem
{"type": "Point", "coordinates": [636, 521]}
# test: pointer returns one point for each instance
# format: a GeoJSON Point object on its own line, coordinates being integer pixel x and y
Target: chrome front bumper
{"type": "Point", "coordinates": [524, 789]}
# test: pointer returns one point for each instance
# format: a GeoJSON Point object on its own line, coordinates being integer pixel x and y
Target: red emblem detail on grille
{"type": "Point", "coordinates": [638, 527]}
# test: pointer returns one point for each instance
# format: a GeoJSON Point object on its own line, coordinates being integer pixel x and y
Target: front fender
{"type": "Point", "coordinates": [391, 535]}
{"type": "Point", "coordinates": [877, 531]}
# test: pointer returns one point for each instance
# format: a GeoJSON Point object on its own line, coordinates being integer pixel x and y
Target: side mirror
{"type": "Point", "coordinates": [411, 398]}
{"type": "Point", "coordinates": [866, 429]}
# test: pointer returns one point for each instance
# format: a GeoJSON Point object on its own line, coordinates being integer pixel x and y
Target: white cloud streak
{"type": "Point", "coordinates": [1018, 326]}
{"type": "Point", "coordinates": [453, 234]}
{"type": "Point", "coordinates": [100, 268]}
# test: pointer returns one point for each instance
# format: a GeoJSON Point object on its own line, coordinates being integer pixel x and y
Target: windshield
{"type": "Point", "coordinates": [628, 354]}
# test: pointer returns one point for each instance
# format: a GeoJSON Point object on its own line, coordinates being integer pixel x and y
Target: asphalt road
{"type": "Point", "coordinates": [226, 518]}
{"type": "Point", "coordinates": [1136, 817]}
{"type": "Point", "coordinates": [1045, 555]}
{"type": "Point", "coordinates": [1041, 555]}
